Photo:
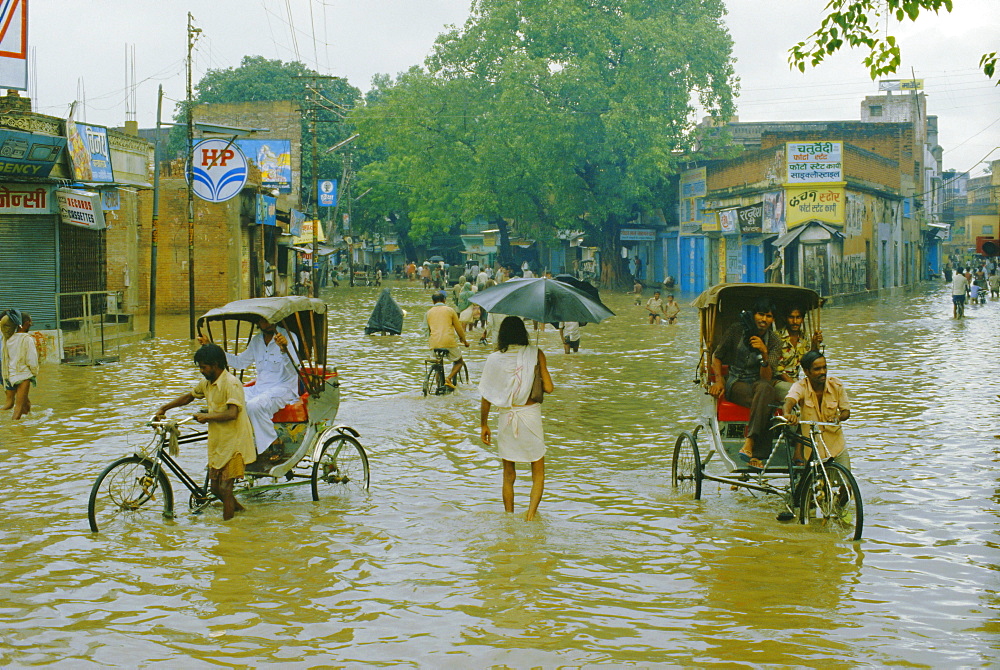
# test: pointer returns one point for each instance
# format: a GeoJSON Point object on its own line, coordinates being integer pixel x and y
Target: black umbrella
{"type": "Point", "coordinates": [541, 299]}
{"type": "Point", "coordinates": [586, 287]}
{"type": "Point", "coordinates": [436, 259]}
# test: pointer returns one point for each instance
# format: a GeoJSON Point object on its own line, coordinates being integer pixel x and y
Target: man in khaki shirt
{"type": "Point", "coordinates": [820, 398]}
{"type": "Point", "coordinates": [230, 436]}
{"type": "Point", "coordinates": [443, 324]}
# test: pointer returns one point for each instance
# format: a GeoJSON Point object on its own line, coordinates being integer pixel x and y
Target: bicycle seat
{"type": "Point", "coordinates": [441, 353]}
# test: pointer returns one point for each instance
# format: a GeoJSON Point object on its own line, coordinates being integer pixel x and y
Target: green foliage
{"type": "Point", "coordinates": [550, 113]}
{"type": "Point", "coordinates": [864, 24]}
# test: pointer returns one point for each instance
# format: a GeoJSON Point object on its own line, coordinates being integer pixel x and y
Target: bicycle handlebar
{"type": "Point", "coordinates": [160, 424]}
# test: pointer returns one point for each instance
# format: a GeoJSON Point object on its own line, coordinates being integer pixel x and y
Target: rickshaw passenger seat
{"type": "Point", "coordinates": [296, 412]}
{"type": "Point", "coordinates": [730, 411]}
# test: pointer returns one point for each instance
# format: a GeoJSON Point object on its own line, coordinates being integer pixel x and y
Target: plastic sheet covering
{"type": "Point", "coordinates": [387, 317]}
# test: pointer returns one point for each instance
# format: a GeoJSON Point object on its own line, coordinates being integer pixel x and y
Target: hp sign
{"type": "Point", "coordinates": [219, 170]}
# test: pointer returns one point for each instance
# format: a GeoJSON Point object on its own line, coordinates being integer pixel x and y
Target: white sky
{"type": "Point", "coordinates": [79, 51]}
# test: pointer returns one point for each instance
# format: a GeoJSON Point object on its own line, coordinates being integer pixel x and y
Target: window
{"type": "Point", "coordinates": [875, 110]}
{"type": "Point", "coordinates": [988, 230]}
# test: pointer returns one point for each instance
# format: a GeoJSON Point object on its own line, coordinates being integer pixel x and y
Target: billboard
{"type": "Point", "coordinates": [219, 170]}
{"type": "Point", "coordinates": [14, 44]}
{"type": "Point", "coordinates": [274, 158]}
{"type": "Point", "coordinates": [89, 152]}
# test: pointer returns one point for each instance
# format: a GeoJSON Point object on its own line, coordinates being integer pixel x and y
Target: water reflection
{"type": "Point", "coordinates": [427, 570]}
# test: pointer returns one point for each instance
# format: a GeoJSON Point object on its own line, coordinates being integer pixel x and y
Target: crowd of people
{"type": "Point", "coordinates": [971, 283]}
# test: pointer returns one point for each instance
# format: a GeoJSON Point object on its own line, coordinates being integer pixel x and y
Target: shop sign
{"type": "Point", "coordinates": [751, 218]}
{"type": "Point", "coordinates": [808, 203]}
{"type": "Point", "coordinates": [637, 235]}
{"type": "Point", "coordinates": [814, 162]}
{"type": "Point", "coordinates": [25, 199]}
{"type": "Point", "coordinates": [295, 220]}
{"type": "Point", "coordinates": [267, 210]}
{"type": "Point", "coordinates": [326, 192]}
{"type": "Point", "coordinates": [111, 200]}
{"type": "Point", "coordinates": [219, 170]}
{"type": "Point", "coordinates": [89, 152]}
{"type": "Point", "coordinates": [274, 159]}
{"type": "Point", "coordinates": [728, 219]}
{"type": "Point", "coordinates": [80, 208]}
{"type": "Point", "coordinates": [28, 155]}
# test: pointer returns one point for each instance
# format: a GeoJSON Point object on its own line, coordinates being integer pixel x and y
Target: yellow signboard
{"type": "Point", "coordinates": [823, 203]}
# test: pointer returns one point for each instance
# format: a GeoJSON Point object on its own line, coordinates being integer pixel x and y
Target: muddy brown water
{"type": "Point", "coordinates": [427, 570]}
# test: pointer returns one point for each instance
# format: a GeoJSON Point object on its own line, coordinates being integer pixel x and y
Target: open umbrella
{"type": "Point", "coordinates": [541, 299]}
{"type": "Point", "coordinates": [436, 259]}
{"type": "Point", "coordinates": [586, 287]}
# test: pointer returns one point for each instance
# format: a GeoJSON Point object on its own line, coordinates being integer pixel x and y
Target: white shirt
{"type": "Point", "coordinates": [959, 284]}
{"type": "Point", "coordinates": [274, 369]}
{"type": "Point", "coordinates": [571, 330]}
{"type": "Point", "coordinates": [20, 358]}
{"type": "Point", "coordinates": [481, 277]}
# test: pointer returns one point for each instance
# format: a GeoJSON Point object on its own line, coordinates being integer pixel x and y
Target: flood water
{"type": "Point", "coordinates": [427, 570]}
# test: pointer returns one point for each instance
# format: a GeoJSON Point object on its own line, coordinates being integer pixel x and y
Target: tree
{"type": "Point", "coordinates": [864, 24]}
{"type": "Point", "coordinates": [553, 114]}
{"type": "Point", "coordinates": [260, 79]}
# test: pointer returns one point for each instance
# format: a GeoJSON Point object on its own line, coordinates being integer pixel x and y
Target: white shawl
{"type": "Point", "coordinates": [507, 376]}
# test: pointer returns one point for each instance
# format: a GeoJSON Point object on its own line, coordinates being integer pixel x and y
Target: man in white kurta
{"type": "Point", "coordinates": [277, 382]}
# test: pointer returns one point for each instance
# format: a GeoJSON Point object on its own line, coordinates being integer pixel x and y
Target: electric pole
{"type": "Point", "coordinates": [192, 36]}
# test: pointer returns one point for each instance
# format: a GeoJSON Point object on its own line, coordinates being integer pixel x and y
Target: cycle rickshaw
{"type": "Point", "coordinates": [315, 451]}
{"type": "Point", "coordinates": [820, 493]}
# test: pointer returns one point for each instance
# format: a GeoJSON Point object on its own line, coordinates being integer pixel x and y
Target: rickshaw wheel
{"type": "Point", "coordinates": [685, 468]}
{"type": "Point", "coordinates": [833, 505]}
{"type": "Point", "coordinates": [131, 488]}
{"type": "Point", "coordinates": [342, 467]}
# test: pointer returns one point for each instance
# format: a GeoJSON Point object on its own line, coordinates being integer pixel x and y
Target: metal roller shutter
{"type": "Point", "coordinates": [28, 267]}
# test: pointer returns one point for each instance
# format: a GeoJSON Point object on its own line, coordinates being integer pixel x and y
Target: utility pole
{"type": "Point", "coordinates": [192, 34]}
{"type": "Point", "coordinates": [156, 217]}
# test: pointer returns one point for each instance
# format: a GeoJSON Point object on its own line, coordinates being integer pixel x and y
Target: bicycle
{"type": "Point", "coordinates": [434, 374]}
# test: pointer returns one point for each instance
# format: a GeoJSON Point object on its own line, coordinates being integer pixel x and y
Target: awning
{"type": "Point", "coordinates": [793, 235]}
{"type": "Point", "coordinates": [302, 249]}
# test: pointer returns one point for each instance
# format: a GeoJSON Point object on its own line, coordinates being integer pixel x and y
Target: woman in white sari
{"type": "Point", "coordinates": [506, 382]}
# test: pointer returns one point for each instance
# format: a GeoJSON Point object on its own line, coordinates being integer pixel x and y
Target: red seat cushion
{"type": "Point", "coordinates": [730, 411]}
{"type": "Point", "coordinates": [296, 412]}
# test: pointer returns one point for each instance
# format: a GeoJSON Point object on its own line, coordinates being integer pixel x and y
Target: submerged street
{"type": "Point", "coordinates": [427, 570]}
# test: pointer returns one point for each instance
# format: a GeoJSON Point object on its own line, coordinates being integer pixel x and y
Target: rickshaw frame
{"type": "Point", "coordinates": [723, 424]}
{"type": "Point", "coordinates": [322, 448]}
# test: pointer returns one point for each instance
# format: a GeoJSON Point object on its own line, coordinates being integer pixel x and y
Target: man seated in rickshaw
{"type": "Point", "coordinates": [276, 384]}
{"type": "Point", "coordinates": [752, 350]}
{"type": "Point", "coordinates": [793, 347]}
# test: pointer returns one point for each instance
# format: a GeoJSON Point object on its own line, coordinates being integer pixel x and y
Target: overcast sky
{"type": "Point", "coordinates": [79, 53]}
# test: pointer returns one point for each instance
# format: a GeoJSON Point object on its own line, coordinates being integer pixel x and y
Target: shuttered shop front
{"type": "Point", "coordinates": [29, 266]}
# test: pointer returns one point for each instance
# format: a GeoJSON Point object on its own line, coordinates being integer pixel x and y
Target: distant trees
{"type": "Point", "coordinates": [550, 113]}
{"type": "Point", "coordinates": [864, 24]}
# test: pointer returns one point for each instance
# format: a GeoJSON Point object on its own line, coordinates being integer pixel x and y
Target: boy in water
{"type": "Point", "coordinates": [671, 310]}
{"type": "Point", "coordinates": [230, 436]}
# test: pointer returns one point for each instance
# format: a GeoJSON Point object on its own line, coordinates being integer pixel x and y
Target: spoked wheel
{"type": "Point", "coordinates": [129, 489]}
{"type": "Point", "coordinates": [197, 503]}
{"type": "Point", "coordinates": [685, 468]}
{"type": "Point", "coordinates": [342, 467]}
{"type": "Point", "coordinates": [834, 503]}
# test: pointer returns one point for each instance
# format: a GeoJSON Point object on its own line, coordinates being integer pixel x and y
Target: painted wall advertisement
{"type": "Point", "coordinates": [274, 158]}
{"type": "Point", "coordinates": [820, 203]}
{"type": "Point", "coordinates": [855, 215]}
{"type": "Point", "coordinates": [814, 162]}
{"type": "Point", "coordinates": [80, 208]}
